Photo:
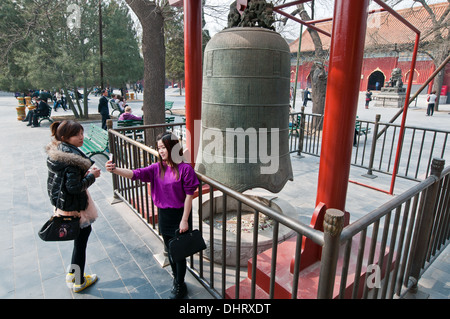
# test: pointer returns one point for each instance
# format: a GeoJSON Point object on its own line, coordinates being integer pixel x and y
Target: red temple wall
{"type": "Point", "coordinates": [385, 65]}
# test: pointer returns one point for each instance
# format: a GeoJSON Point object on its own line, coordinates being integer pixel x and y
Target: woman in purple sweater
{"type": "Point", "coordinates": [173, 184]}
{"type": "Point", "coordinates": [126, 115]}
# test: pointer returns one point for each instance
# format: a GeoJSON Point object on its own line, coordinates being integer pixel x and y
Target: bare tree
{"type": "Point", "coordinates": [435, 42]}
{"type": "Point", "coordinates": [151, 15]}
{"type": "Point", "coordinates": [318, 74]}
{"type": "Point", "coordinates": [434, 23]}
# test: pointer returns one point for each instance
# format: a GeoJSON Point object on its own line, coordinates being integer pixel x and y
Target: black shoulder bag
{"type": "Point", "coordinates": [185, 244]}
{"type": "Point", "coordinates": [60, 228]}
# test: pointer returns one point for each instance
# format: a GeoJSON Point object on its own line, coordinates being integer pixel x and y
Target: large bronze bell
{"type": "Point", "coordinates": [245, 110]}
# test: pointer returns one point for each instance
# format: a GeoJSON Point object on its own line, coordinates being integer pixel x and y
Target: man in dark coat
{"type": "Point", "coordinates": [306, 97]}
{"type": "Point", "coordinates": [42, 109]}
{"type": "Point", "coordinates": [103, 108]}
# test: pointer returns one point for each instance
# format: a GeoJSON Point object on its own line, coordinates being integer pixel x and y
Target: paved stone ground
{"type": "Point", "coordinates": [121, 247]}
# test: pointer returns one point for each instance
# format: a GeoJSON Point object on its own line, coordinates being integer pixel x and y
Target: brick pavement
{"type": "Point", "coordinates": [121, 247]}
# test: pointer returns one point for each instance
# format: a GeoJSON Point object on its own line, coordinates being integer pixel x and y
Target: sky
{"type": "Point", "coordinates": [324, 9]}
{"type": "Point", "coordinates": [216, 12]}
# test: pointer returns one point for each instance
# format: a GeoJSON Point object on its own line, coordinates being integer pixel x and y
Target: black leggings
{"type": "Point", "coordinates": [430, 109]}
{"type": "Point", "coordinates": [178, 268]}
{"type": "Point", "coordinates": [79, 253]}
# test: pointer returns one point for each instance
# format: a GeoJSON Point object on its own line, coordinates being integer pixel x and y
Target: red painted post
{"type": "Point", "coordinates": [193, 71]}
{"type": "Point", "coordinates": [346, 56]}
{"type": "Point", "coordinates": [341, 103]}
{"type": "Point", "coordinates": [405, 111]}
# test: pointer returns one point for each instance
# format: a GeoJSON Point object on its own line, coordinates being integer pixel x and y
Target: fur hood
{"type": "Point", "coordinates": [67, 155]}
{"type": "Point", "coordinates": [67, 180]}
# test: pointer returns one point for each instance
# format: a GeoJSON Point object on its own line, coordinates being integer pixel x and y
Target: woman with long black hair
{"type": "Point", "coordinates": [173, 184]}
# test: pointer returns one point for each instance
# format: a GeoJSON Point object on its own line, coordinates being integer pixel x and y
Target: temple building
{"type": "Point", "coordinates": [388, 45]}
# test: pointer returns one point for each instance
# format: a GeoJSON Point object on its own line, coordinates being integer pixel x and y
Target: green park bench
{"type": "Point", "coordinates": [46, 117]}
{"type": "Point", "coordinates": [136, 134]}
{"type": "Point", "coordinates": [361, 129]}
{"type": "Point", "coordinates": [96, 142]}
{"type": "Point", "coordinates": [168, 106]}
{"type": "Point", "coordinates": [115, 107]}
{"type": "Point", "coordinates": [123, 123]}
{"type": "Point", "coordinates": [170, 119]}
{"type": "Point", "coordinates": [295, 125]}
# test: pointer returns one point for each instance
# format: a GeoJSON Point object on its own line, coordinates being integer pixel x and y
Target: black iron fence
{"type": "Point", "coordinates": [376, 145]}
{"type": "Point", "coordinates": [381, 255]}
{"type": "Point", "coordinates": [385, 252]}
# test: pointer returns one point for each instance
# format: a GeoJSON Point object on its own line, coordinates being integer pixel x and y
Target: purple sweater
{"type": "Point", "coordinates": [129, 116]}
{"type": "Point", "coordinates": [168, 192]}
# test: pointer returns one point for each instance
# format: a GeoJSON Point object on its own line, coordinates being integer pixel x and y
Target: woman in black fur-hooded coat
{"type": "Point", "coordinates": [70, 173]}
{"type": "Point", "coordinates": [67, 179]}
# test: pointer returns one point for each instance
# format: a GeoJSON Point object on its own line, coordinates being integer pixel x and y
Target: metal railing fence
{"type": "Point", "coordinates": [379, 254]}
{"type": "Point", "coordinates": [389, 248]}
{"type": "Point", "coordinates": [376, 151]}
{"type": "Point", "coordinates": [131, 154]}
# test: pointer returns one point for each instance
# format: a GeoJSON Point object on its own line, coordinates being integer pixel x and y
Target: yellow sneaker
{"type": "Point", "coordinates": [88, 281]}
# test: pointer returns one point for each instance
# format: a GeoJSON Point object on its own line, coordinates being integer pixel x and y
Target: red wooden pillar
{"type": "Point", "coordinates": [193, 71]}
{"type": "Point", "coordinates": [346, 56]}
{"type": "Point", "coordinates": [344, 77]}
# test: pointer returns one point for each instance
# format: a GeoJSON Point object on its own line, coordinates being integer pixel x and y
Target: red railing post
{"type": "Point", "coordinates": [405, 112]}
{"type": "Point", "coordinates": [193, 72]}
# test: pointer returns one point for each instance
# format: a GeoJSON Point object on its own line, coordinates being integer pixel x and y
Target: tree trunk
{"type": "Point", "coordinates": [439, 79]}
{"type": "Point", "coordinates": [437, 86]}
{"type": "Point", "coordinates": [318, 77]}
{"type": "Point", "coordinates": [436, 42]}
{"type": "Point", "coordinates": [318, 74]}
{"type": "Point", "coordinates": [152, 21]}
{"type": "Point", "coordinates": [69, 101]}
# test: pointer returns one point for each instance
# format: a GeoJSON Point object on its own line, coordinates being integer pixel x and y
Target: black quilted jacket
{"type": "Point", "coordinates": [67, 179]}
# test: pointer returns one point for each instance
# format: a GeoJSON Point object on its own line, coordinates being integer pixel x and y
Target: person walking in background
{"type": "Point", "coordinates": [58, 101]}
{"type": "Point", "coordinates": [431, 99]}
{"type": "Point", "coordinates": [103, 108]}
{"type": "Point", "coordinates": [368, 98]}
{"type": "Point", "coordinates": [306, 96]}
{"type": "Point", "coordinates": [70, 173]}
{"type": "Point", "coordinates": [173, 184]}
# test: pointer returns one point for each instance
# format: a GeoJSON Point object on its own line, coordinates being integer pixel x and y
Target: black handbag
{"type": "Point", "coordinates": [185, 244]}
{"type": "Point", "coordinates": [60, 228]}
